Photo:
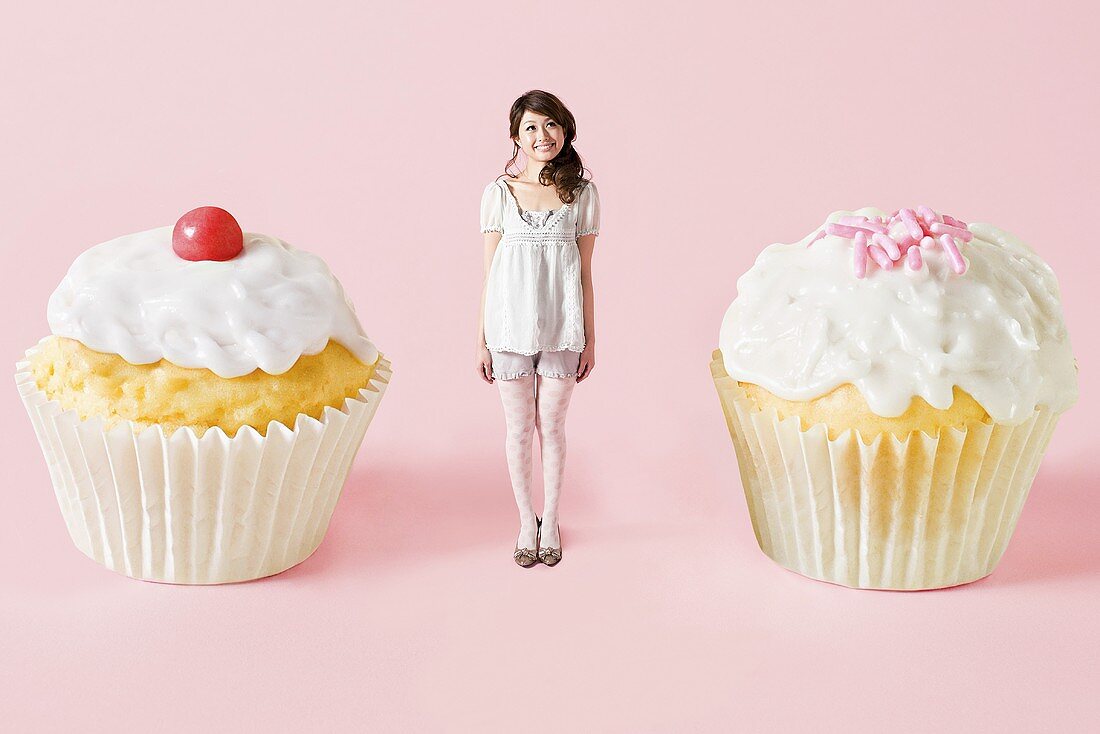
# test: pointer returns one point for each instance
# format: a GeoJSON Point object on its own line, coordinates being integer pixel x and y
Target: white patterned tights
{"type": "Point", "coordinates": [536, 403]}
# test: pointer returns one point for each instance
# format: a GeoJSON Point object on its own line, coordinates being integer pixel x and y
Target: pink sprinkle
{"type": "Point", "coordinates": [849, 230]}
{"type": "Point", "coordinates": [911, 223]}
{"type": "Point", "coordinates": [953, 254]}
{"type": "Point", "coordinates": [841, 230]}
{"type": "Point", "coordinates": [888, 245]}
{"type": "Point", "coordinates": [879, 256]}
{"type": "Point", "coordinates": [899, 232]}
{"type": "Point", "coordinates": [863, 223]}
{"type": "Point", "coordinates": [928, 215]}
{"type": "Point", "coordinates": [963, 234]}
{"type": "Point", "coordinates": [913, 259]}
{"type": "Point", "coordinates": [947, 218]}
{"type": "Point", "coordinates": [817, 237]}
{"type": "Point", "coordinates": [859, 255]}
{"type": "Point", "coordinates": [928, 243]}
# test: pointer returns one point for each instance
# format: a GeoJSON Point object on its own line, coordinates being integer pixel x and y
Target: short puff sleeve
{"type": "Point", "coordinates": [588, 210]}
{"type": "Point", "coordinates": [492, 209]}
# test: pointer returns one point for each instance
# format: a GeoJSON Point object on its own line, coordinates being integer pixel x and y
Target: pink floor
{"type": "Point", "coordinates": [663, 616]}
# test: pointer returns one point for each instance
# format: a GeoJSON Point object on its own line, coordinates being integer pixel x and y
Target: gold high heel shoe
{"type": "Point", "coordinates": [551, 556]}
{"type": "Point", "coordinates": [528, 557]}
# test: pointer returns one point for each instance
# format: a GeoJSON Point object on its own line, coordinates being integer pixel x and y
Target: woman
{"type": "Point", "coordinates": [536, 335]}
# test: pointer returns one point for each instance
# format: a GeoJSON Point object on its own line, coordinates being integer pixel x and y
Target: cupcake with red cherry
{"type": "Point", "coordinates": [200, 400]}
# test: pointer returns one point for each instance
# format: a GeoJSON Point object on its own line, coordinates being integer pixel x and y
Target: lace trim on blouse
{"type": "Point", "coordinates": [547, 348]}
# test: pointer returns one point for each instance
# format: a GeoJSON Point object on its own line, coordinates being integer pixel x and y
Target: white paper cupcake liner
{"type": "Point", "coordinates": [189, 510]}
{"type": "Point", "coordinates": [921, 513]}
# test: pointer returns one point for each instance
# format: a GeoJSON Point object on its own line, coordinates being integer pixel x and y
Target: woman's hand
{"type": "Point", "coordinates": [588, 361]}
{"type": "Point", "coordinates": [485, 364]}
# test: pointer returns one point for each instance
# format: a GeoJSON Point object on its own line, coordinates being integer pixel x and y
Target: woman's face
{"type": "Point", "coordinates": [540, 137]}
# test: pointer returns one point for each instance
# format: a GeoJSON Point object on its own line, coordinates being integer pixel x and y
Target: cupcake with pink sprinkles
{"type": "Point", "coordinates": [890, 383]}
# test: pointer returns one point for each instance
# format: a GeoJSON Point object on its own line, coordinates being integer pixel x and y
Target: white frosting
{"type": "Point", "coordinates": [133, 296]}
{"type": "Point", "coordinates": [802, 324]}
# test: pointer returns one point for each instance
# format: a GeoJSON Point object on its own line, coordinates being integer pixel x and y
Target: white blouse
{"type": "Point", "coordinates": [533, 300]}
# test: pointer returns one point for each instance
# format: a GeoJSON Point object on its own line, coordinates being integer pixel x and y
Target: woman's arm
{"type": "Point", "coordinates": [586, 244]}
{"type": "Point", "coordinates": [484, 359]}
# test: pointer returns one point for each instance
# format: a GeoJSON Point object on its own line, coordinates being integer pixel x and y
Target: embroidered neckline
{"type": "Point", "coordinates": [537, 219]}
{"type": "Point", "coordinates": [555, 214]}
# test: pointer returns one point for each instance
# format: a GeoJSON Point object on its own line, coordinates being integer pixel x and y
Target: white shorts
{"type": "Point", "coordinates": [509, 365]}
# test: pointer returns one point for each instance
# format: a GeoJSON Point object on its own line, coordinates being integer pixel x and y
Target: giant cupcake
{"type": "Point", "coordinates": [891, 382]}
{"type": "Point", "coordinates": [200, 400]}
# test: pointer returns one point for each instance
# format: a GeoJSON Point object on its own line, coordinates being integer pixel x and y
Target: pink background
{"type": "Point", "coordinates": [366, 134]}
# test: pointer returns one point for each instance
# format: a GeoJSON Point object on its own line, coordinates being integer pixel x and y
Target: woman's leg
{"type": "Point", "coordinates": [552, 404]}
{"type": "Point", "coordinates": [518, 397]}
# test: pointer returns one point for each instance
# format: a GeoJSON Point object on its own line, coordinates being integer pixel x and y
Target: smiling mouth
{"type": "Point", "coordinates": [545, 146]}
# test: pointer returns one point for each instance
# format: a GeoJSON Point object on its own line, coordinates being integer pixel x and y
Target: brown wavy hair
{"type": "Point", "coordinates": [565, 171]}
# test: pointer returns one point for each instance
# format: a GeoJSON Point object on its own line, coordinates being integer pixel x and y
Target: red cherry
{"type": "Point", "coordinates": [207, 233]}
